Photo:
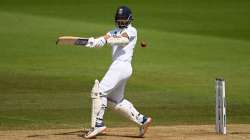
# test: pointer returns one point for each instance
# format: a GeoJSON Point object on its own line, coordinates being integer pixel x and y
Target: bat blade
{"type": "Point", "coordinates": [71, 40]}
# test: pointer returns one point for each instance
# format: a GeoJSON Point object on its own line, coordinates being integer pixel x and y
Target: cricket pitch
{"type": "Point", "coordinates": [178, 132]}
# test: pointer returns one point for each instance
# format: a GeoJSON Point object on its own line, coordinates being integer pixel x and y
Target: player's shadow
{"type": "Point", "coordinates": [81, 133]}
{"type": "Point", "coordinates": [59, 133]}
{"type": "Point", "coordinates": [239, 133]}
{"type": "Point", "coordinates": [112, 135]}
{"type": "Point", "coordinates": [124, 136]}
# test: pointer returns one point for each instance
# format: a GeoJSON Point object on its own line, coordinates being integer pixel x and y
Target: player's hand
{"type": "Point", "coordinates": [91, 42]}
{"type": "Point", "coordinates": [99, 42]}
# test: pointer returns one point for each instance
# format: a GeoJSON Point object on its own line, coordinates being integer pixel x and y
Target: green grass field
{"type": "Point", "coordinates": [190, 43]}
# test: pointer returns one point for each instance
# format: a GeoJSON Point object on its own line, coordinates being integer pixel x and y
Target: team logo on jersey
{"type": "Point", "coordinates": [120, 11]}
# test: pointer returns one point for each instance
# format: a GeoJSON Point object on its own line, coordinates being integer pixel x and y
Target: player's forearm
{"type": "Point", "coordinates": [119, 40]}
{"type": "Point", "coordinates": [101, 41]}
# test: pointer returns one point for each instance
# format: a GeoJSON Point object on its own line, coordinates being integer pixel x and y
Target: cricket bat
{"type": "Point", "coordinates": [71, 40]}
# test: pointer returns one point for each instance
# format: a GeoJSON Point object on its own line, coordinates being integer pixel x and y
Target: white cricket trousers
{"type": "Point", "coordinates": [112, 88]}
{"type": "Point", "coordinates": [113, 83]}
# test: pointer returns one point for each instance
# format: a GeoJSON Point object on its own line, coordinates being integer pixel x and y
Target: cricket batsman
{"type": "Point", "coordinates": [111, 88]}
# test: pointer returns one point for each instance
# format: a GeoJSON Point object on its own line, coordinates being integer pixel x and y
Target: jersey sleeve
{"type": "Point", "coordinates": [110, 33]}
{"type": "Point", "coordinates": [131, 32]}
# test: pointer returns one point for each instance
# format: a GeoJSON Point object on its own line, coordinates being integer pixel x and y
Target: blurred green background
{"type": "Point", "coordinates": [190, 43]}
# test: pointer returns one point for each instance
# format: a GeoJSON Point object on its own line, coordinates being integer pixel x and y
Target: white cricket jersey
{"type": "Point", "coordinates": [124, 53]}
